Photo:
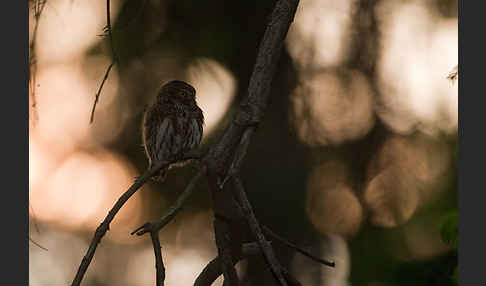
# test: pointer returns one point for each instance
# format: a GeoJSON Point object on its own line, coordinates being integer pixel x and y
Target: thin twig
{"type": "Point", "coordinates": [33, 214]}
{"type": "Point", "coordinates": [36, 228]}
{"type": "Point", "coordinates": [37, 244]}
{"type": "Point", "coordinates": [269, 232]}
{"type": "Point", "coordinates": [266, 248]}
{"type": "Point", "coordinates": [97, 96]}
{"type": "Point", "coordinates": [114, 59]}
{"type": "Point", "coordinates": [108, 27]}
{"type": "Point", "coordinates": [453, 74]}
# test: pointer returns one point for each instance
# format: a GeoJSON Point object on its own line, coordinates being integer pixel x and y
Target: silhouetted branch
{"type": "Point", "coordinates": [114, 59]}
{"type": "Point", "coordinates": [33, 214]}
{"type": "Point", "coordinates": [36, 228]}
{"type": "Point", "coordinates": [97, 96]}
{"type": "Point", "coordinates": [37, 244]}
{"type": "Point", "coordinates": [109, 30]}
{"type": "Point", "coordinates": [454, 73]}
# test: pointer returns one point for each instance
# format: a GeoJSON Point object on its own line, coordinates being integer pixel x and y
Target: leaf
{"type": "Point", "coordinates": [455, 276]}
{"type": "Point", "coordinates": [449, 228]}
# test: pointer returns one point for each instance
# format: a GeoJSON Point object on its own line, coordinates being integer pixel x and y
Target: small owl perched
{"type": "Point", "coordinates": [173, 125]}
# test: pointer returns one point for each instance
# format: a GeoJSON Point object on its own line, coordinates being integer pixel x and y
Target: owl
{"type": "Point", "coordinates": [173, 125]}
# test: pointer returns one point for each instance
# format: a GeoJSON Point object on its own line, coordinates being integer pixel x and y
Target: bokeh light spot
{"type": "Point", "coordinates": [330, 110]}
{"type": "Point", "coordinates": [215, 89]}
{"type": "Point", "coordinates": [327, 193]}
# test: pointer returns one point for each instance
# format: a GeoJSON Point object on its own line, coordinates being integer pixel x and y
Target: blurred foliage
{"type": "Point", "coordinates": [278, 165]}
{"type": "Point", "coordinates": [455, 276]}
{"type": "Point", "coordinates": [449, 229]}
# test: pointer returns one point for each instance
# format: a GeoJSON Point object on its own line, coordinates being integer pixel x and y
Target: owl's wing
{"type": "Point", "coordinates": [163, 137]}
{"type": "Point", "coordinates": [157, 133]}
{"type": "Point", "coordinates": [194, 135]}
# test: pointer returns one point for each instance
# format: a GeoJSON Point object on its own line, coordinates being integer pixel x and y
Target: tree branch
{"type": "Point", "coordinates": [453, 74]}
{"type": "Point", "coordinates": [97, 96]}
{"type": "Point", "coordinates": [37, 244]}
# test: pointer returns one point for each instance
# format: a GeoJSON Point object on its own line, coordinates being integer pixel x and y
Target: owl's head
{"type": "Point", "coordinates": [176, 90]}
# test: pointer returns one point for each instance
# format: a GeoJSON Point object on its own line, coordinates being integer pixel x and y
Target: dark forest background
{"type": "Point", "coordinates": [356, 159]}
